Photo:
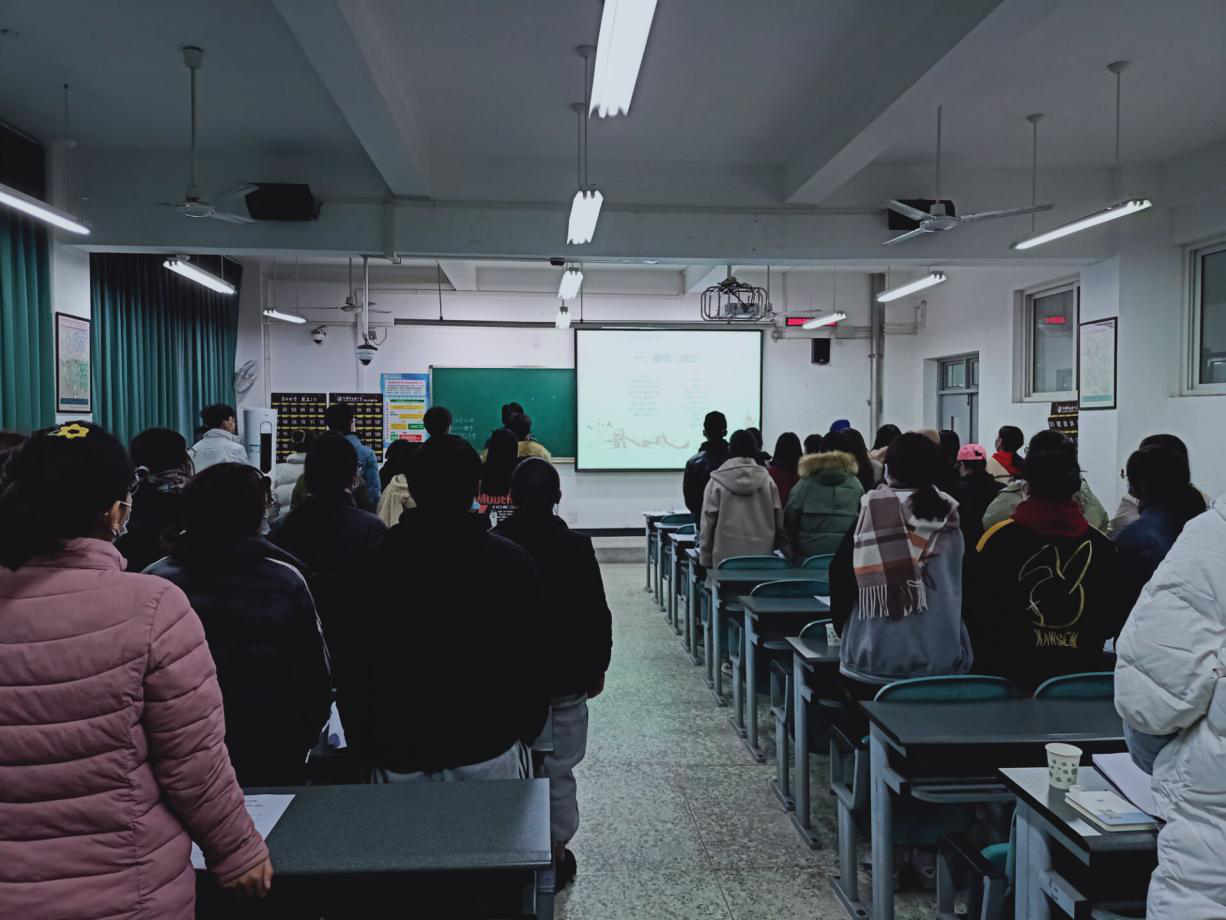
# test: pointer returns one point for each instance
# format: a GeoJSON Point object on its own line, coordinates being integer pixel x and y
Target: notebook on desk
{"type": "Point", "coordinates": [1109, 811]}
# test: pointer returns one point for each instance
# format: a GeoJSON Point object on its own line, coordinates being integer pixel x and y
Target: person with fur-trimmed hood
{"type": "Point", "coordinates": [824, 503]}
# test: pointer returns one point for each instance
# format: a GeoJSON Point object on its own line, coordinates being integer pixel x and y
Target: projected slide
{"type": "Point", "coordinates": [642, 394]}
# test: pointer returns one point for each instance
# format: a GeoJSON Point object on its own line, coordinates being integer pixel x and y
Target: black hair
{"type": "Point", "coordinates": [1011, 441]}
{"type": "Point", "coordinates": [978, 466]}
{"type": "Point", "coordinates": [757, 436]}
{"type": "Point", "coordinates": [1158, 476]}
{"type": "Point", "coordinates": [501, 457]}
{"type": "Point", "coordinates": [535, 486]}
{"type": "Point", "coordinates": [214, 415]}
{"type": "Point", "coordinates": [787, 452]}
{"type": "Point", "coordinates": [9, 442]}
{"type": "Point", "coordinates": [835, 440]}
{"type": "Point", "coordinates": [813, 444]}
{"type": "Point", "coordinates": [715, 424]}
{"type": "Point", "coordinates": [1165, 440]}
{"type": "Point", "coordinates": [886, 435]}
{"type": "Point", "coordinates": [331, 465]}
{"type": "Point", "coordinates": [160, 449]}
{"type": "Point", "coordinates": [742, 444]}
{"type": "Point", "coordinates": [1052, 472]}
{"type": "Point", "coordinates": [521, 424]}
{"type": "Point", "coordinates": [509, 409]}
{"type": "Point", "coordinates": [339, 417]}
{"type": "Point", "coordinates": [444, 478]}
{"type": "Point", "coordinates": [437, 421]}
{"type": "Point", "coordinates": [950, 443]}
{"type": "Point", "coordinates": [57, 486]}
{"type": "Point", "coordinates": [858, 449]}
{"type": "Point", "coordinates": [396, 459]}
{"type": "Point", "coordinates": [915, 462]}
{"type": "Point", "coordinates": [225, 502]}
{"type": "Point", "coordinates": [1045, 439]}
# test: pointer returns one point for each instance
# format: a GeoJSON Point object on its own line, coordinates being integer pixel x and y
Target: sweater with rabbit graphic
{"type": "Point", "coordinates": [1047, 594]}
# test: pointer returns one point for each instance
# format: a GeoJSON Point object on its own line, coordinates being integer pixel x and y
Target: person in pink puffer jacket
{"type": "Point", "coordinates": [112, 741]}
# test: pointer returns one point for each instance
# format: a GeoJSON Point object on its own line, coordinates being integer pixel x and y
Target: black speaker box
{"type": "Point", "coordinates": [282, 201]}
{"type": "Point", "coordinates": [898, 222]}
{"type": "Point", "coordinates": [821, 351]}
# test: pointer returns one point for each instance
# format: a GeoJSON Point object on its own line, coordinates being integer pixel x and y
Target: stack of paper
{"type": "Point", "coordinates": [1129, 779]}
{"type": "Point", "coordinates": [1109, 811]}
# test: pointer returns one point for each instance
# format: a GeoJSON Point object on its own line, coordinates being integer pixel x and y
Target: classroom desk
{"type": "Point", "coordinates": [440, 849]}
{"type": "Point", "coordinates": [957, 748]}
{"type": "Point", "coordinates": [744, 580]}
{"type": "Point", "coordinates": [1049, 831]}
{"type": "Point", "coordinates": [662, 531]}
{"type": "Point", "coordinates": [679, 542]}
{"type": "Point", "coordinates": [814, 666]}
{"type": "Point", "coordinates": [649, 520]}
{"type": "Point", "coordinates": [767, 619]}
{"type": "Point", "coordinates": [695, 577]}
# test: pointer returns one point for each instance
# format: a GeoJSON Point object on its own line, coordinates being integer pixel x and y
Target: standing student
{"type": "Point", "coordinates": [1047, 591]}
{"type": "Point", "coordinates": [974, 491]}
{"type": "Point", "coordinates": [741, 513]}
{"type": "Point", "coordinates": [896, 578]}
{"type": "Point", "coordinates": [340, 420]}
{"type": "Point", "coordinates": [580, 639]}
{"type": "Point", "coordinates": [437, 421]}
{"type": "Point", "coordinates": [762, 456]}
{"type": "Point", "coordinates": [868, 472]}
{"type": "Point", "coordinates": [710, 457]}
{"type": "Point", "coordinates": [825, 502]}
{"type": "Point", "coordinates": [163, 468]}
{"type": "Point", "coordinates": [285, 475]}
{"type": "Point", "coordinates": [260, 621]}
{"type": "Point", "coordinates": [813, 444]}
{"type": "Point", "coordinates": [1127, 512]}
{"type": "Point", "coordinates": [396, 499]}
{"type": "Point", "coordinates": [441, 671]}
{"type": "Point", "coordinates": [1013, 493]}
{"type": "Point", "coordinates": [494, 499]}
{"type": "Point", "coordinates": [782, 467]}
{"type": "Point", "coordinates": [114, 742]}
{"type": "Point", "coordinates": [881, 443]}
{"type": "Point", "coordinates": [950, 444]}
{"type": "Point", "coordinates": [219, 443]}
{"type": "Point", "coordinates": [529, 446]}
{"type": "Point", "coordinates": [510, 410]}
{"type": "Point", "coordinates": [1005, 464]}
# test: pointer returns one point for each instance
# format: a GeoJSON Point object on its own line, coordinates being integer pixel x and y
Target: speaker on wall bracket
{"type": "Point", "coordinates": [821, 351]}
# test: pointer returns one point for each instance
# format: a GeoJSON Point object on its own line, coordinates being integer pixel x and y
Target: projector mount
{"type": "Point", "coordinates": [733, 301]}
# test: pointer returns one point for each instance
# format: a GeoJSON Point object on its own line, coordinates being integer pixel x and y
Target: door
{"type": "Point", "coordinates": [958, 397]}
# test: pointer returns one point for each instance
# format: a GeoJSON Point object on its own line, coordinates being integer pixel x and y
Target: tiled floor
{"type": "Point", "coordinates": [677, 821]}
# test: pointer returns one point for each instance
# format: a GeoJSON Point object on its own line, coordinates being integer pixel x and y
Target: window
{"type": "Point", "coordinates": [1051, 341]}
{"type": "Point", "coordinates": [958, 397]}
{"type": "Point", "coordinates": [1209, 317]}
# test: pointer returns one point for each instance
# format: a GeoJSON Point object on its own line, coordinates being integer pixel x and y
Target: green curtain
{"type": "Point", "coordinates": [163, 345]}
{"type": "Point", "coordinates": [27, 347]}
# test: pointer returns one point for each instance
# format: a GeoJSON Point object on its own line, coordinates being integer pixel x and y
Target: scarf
{"type": "Point", "coordinates": [890, 550]}
{"type": "Point", "coordinates": [1052, 518]}
{"type": "Point", "coordinates": [1005, 459]}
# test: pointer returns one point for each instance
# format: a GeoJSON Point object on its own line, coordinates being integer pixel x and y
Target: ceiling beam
{"type": "Point", "coordinates": [697, 278]}
{"type": "Point", "coordinates": [344, 44]}
{"type": "Point", "coordinates": [460, 272]}
{"type": "Point", "coordinates": [916, 70]}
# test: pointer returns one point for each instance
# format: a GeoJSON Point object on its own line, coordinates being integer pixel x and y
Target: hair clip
{"type": "Point", "coordinates": [70, 431]}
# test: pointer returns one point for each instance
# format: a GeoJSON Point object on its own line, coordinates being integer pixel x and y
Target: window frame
{"type": "Point", "coordinates": [970, 362]}
{"type": "Point", "coordinates": [1193, 318]}
{"type": "Point", "coordinates": [1028, 297]}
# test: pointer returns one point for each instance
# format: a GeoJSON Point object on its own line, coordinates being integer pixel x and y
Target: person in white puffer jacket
{"type": "Point", "coordinates": [1168, 682]}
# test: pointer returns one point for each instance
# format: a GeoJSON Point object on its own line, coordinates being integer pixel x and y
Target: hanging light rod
{"type": "Point", "coordinates": [828, 319]}
{"type": "Point", "coordinates": [572, 280]}
{"type": "Point", "coordinates": [911, 287]}
{"type": "Point", "coordinates": [1109, 213]}
{"type": "Point", "coordinates": [32, 206]}
{"type": "Point", "coordinates": [562, 320]}
{"type": "Point", "coordinates": [624, 27]}
{"type": "Point", "coordinates": [284, 317]}
{"type": "Point", "coordinates": [179, 265]}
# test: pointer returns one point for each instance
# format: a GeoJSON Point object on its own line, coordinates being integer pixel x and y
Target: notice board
{"type": "Point", "coordinates": [298, 415]}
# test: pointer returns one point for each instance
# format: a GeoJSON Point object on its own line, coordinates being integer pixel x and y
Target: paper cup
{"type": "Point", "coordinates": [832, 637]}
{"type": "Point", "coordinates": [1062, 763]}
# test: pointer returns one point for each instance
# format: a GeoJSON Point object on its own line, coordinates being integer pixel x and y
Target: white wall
{"type": "Point", "coordinates": [70, 294]}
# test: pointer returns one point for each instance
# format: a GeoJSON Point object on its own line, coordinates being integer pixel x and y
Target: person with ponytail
{"type": "Point", "coordinates": [896, 578]}
{"type": "Point", "coordinates": [114, 739]}
{"type": "Point", "coordinates": [164, 469]}
{"type": "Point", "coordinates": [580, 635]}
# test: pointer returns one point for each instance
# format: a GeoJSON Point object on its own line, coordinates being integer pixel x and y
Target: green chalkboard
{"type": "Point", "coordinates": [475, 396]}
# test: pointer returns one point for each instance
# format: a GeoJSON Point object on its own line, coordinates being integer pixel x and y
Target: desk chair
{"type": "Point", "coordinates": [782, 708]}
{"type": "Point", "coordinates": [730, 605]}
{"type": "Point", "coordinates": [926, 809]}
{"type": "Point", "coordinates": [1091, 685]}
{"type": "Point", "coordinates": [668, 563]}
{"type": "Point", "coordinates": [668, 522]}
{"type": "Point", "coordinates": [821, 565]}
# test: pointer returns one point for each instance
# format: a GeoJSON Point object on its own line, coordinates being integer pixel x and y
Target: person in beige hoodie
{"type": "Point", "coordinates": [741, 512]}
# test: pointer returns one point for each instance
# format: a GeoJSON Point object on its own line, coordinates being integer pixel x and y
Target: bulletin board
{"type": "Point", "coordinates": [297, 412]}
{"type": "Point", "coordinates": [367, 417]}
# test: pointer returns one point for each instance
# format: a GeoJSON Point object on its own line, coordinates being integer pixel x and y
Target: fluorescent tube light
{"type": "Point", "coordinates": [285, 317]}
{"type": "Point", "coordinates": [180, 266]}
{"type": "Point", "coordinates": [911, 287]}
{"type": "Point", "coordinates": [45, 212]}
{"type": "Point", "coordinates": [624, 27]}
{"type": "Point", "coordinates": [828, 319]}
{"type": "Point", "coordinates": [562, 320]}
{"type": "Point", "coordinates": [584, 211]}
{"type": "Point", "coordinates": [572, 278]}
{"type": "Point", "coordinates": [1111, 212]}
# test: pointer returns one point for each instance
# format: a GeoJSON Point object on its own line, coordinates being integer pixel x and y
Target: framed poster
{"type": "Point", "coordinates": [406, 397]}
{"type": "Point", "coordinates": [1096, 354]}
{"type": "Point", "coordinates": [72, 365]}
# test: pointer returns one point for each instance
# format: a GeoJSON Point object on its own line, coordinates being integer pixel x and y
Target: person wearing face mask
{"type": "Point", "coordinates": [164, 468]}
{"type": "Point", "coordinates": [114, 750]}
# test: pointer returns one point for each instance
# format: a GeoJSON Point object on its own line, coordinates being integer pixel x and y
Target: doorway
{"type": "Point", "coordinates": [958, 396]}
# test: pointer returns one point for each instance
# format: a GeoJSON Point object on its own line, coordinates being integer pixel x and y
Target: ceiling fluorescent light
{"type": "Point", "coordinates": [562, 320]}
{"type": "Point", "coordinates": [179, 265]}
{"type": "Point", "coordinates": [285, 317]}
{"type": "Point", "coordinates": [624, 27]}
{"type": "Point", "coordinates": [572, 279]}
{"type": "Point", "coordinates": [44, 212]}
{"type": "Point", "coordinates": [827, 319]}
{"type": "Point", "coordinates": [584, 212]}
{"type": "Point", "coordinates": [911, 287]}
{"type": "Point", "coordinates": [1111, 212]}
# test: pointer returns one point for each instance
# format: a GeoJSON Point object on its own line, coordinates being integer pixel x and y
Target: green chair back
{"type": "Point", "coordinates": [791, 587]}
{"type": "Point", "coordinates": [814, 630]}
{"type": "Point", "coordinates": [1091, 685]}
{"type": "Point", "coordinates": [952, 688]}
{"type": "Point", "coordinates": [754, 562]}
{"type": "Point", "coordinates": [820, 564]}
{"type": "Point", "coordinates": [688, 528]}
{"type": "Point", "coordinates": [674, 520]}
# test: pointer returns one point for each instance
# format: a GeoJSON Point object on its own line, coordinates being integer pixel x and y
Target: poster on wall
{"type": "Point", "coordinates": [1063, 418]}
{"type": "Point", "coordinates": [72, 365]}
{"type": "Point", "coordinates": [1096, 353]}
{"type": "Point", "coordinates": [299, 415]}
{"type": "Point", "coordinates": [406, 397]}
{"type": "Point", "coordinates": [367, 417]}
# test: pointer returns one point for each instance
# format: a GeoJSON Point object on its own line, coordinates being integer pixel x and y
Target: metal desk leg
{"type": "Point", "coordinates": [647, 532]}
{"type": "Point", "coordinates": [847, 885]}
{"type": "Point", "coordinates": [1033, 859]}
{"type": "Point", "coordinates": [717, 650]}
{"type": "Point", "coordinates": [800, 769]}
{"type": "Point", "coordinates": [882, 826]}
{"type": "Point", "coordinates": [750, 693]}
{"type": "Point", "coordinates": [671, 612]}
{"type": "Point", "coordinates": [659, 549]}
{"type": "Point", "coordinates": [682, 592]}
{"type": "Point", "coordinates": [709, 598]}
{"type": "Point", "coordinates": [691, 605]}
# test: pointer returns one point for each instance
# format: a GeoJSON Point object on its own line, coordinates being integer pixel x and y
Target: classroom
{"type": "Point", "coordinates": [593, 459]}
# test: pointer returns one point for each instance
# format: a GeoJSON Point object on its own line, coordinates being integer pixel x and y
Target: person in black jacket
{"type": "Point", "coordinates": [974, 491]}
{"type": "Point", "coordinates": [580, 640]}
{"type": "Point", "coordinates": [260, 623]}
{"type": "Point", "coordinates": [710, 457]}
{"type": "Point", "coordinates": [163, 469]}
{"type": "Point", "coordinates": [441, 661]}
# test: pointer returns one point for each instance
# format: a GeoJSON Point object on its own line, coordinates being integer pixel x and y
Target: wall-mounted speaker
{"type": "Point", "coordinates": [821, 351]}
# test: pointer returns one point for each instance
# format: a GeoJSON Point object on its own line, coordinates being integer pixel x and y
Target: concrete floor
{"type": "Point", "coordinates": [677, 820]}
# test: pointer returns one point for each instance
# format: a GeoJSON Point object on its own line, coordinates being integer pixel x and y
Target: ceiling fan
{"type": "Point", "coordinates": [192, 204]}
{"type": "Point", "coordinates": [938, 217]}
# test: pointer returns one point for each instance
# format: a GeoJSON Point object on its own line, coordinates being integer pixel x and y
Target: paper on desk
{"type": "Point", "coordinates": [265, 811]}
{"type": "Point", "coordinates": [825, 599]}
{"type": "Point", "coordinates": [336, 731]}
{"type": "Point", "coordinates": [1129, 779]}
